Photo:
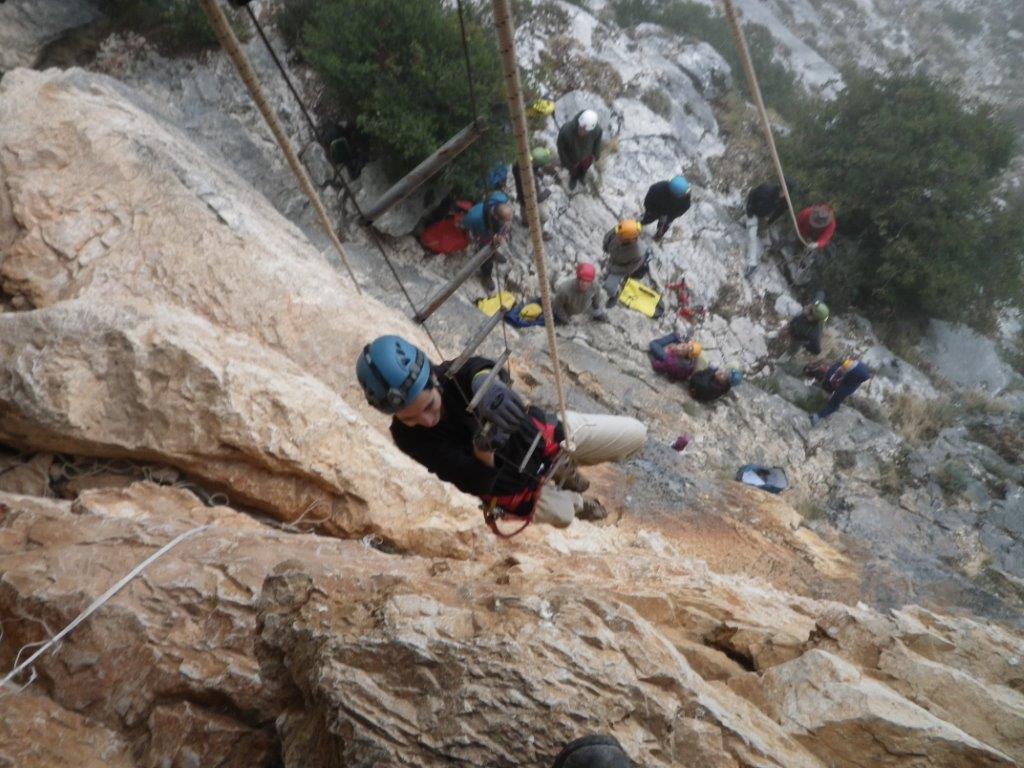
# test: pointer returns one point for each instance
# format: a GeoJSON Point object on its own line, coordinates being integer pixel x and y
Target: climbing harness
{"type": "Point", "coordinates": [755, 89]}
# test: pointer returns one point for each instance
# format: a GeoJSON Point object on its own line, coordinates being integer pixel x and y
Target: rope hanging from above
{"type": "Point", "coordinates": [517, 111]}
{"type": "Point", "coordinates": [229, 42]}
{"type": "Point", "coordinates": [762, 113]}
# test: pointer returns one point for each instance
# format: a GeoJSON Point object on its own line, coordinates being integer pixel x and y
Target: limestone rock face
{"type": "Point", "coordinates": [28, 25]}
{"type": "Point", "coordinates": [155, 383]}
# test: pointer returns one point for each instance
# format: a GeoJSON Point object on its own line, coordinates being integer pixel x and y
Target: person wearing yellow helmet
{"type": "Point", "coordinates": [625, 257]}
{"type": "Point", "coordinates": [839, 380]}
{"type": "Point", "coordinates": [579, 145]}
{"type": "Point", "coordinates": [677, 359]}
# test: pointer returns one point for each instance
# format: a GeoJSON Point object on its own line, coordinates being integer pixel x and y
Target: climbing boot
{"type": "Point", "coordinates": [574, 481]}
{"type": "Point", "coordinates": [591, 510]}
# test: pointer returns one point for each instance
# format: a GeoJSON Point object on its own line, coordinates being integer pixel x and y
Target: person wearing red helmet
{"type": "Point", "coordinates": [574, 295]}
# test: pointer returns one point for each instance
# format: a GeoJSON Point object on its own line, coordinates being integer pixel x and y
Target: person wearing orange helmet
{"type": "Point", "coordinates": [575, 295]}
{"type": "Point", "coordinates": [676, 358]}
{"type": "Point", "coordinates": [626, 258]}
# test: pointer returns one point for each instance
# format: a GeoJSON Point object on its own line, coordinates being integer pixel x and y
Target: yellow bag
{"type": "Point", "coordinates": [492, 304]}
{"type": "Point", "coordinates": [541, 108]}
{"type": "Point", "coordinates": [638, 296]}
{"type": "Point", "coordinates": [531, 311]}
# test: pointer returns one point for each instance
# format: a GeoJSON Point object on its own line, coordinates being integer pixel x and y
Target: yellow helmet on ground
{"type": "Point", "coordinates": [628, 229]}
{"type": "Point", "coordinates": [541, 108]}
{"type": "Point", "coordinates": [531, 311]}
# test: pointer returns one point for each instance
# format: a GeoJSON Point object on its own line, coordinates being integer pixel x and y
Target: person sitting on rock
{"type": "Point", "coordinates": [713, 382]}
{"type": "Point", "coordinates": [675, 358]}
{"type": "Point", "coordinates": [579, 145]}
{"type": "Point", "coordinates": [665, 202]}
{"type": "Point", "coordinates": [574, 295]}
{"type": "Point", "coordinates": [540, 160]}
{"type": "Point", "coordinates": [596, 751]}
{"type": "Point", "coordinates": [817, 225]}
{"type": "Point", "coordinates": [487, 453]}
{"type": "Point", "coordinates": [806, 328]}
{"type": "Point", "coordinates": [625, 256]}
{"type": "Point", "coordinates": [840, 380]}
{"type": "Point", "coordinates": [490, 223]}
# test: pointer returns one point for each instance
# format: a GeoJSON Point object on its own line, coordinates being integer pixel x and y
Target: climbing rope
{"type": "Point", "coordinates": [338, 175]}
{"type": "Point", "coordinates": [229, 42]}
{"type": "Point", "coordinates": [517, 111]}
{"type": "Point", "coordinates": [755, 89]}
{"type": "Point", "coordinates": [99, 602]}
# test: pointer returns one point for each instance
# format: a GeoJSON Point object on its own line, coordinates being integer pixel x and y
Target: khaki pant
{"type": "Point", "coordinates": [598, 439]}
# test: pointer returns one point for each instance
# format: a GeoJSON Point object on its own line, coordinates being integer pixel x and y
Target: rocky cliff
{"type": "Point", "coordinates": [176, 352]}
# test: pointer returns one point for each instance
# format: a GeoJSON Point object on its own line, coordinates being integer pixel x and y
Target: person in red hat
{"type": "Point", "coordinates": [817, 225]}
{"type": "Point", "coordinates": [575, 295]}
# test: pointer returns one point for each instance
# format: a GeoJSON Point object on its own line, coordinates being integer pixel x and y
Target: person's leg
{"type": "Point", "coordinates": [753, 245]}
{"type": "Point", "coordinates": [600, 438]}
{"type": "Point", "coordinates": [556, 506]}
{"type": "Point", "coordinates": [657, 347]}
{"type": "Point", "coordinates": [663, 224]}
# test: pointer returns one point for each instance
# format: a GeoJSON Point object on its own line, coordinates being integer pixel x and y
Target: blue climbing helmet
{"type": "Point", "coordinates": [392, 373]}
{"type": "Point", "coordinates": [679, 186]}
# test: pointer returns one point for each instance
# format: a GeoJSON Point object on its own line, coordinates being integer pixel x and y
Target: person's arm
{"type": "Point", "coordinates": [597, 301]}
{"type": "Point", "coordinates": [826, 236]}
{"type": "Point", "coordinates": [452, 463]}
{"type": "Point", "coordinates": [598, 133]}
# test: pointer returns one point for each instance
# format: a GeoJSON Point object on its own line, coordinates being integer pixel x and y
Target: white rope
{"type": "Point", "coordinates": [514, 94]}
{"type": "Point", "coordinates": [762, 113]}
{"type": "Point", "coordinates": [227, 38]}
{"type": "Point", "coordinates": [98, 602]}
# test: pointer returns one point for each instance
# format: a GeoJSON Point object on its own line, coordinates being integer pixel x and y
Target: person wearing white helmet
{"type": "Point", "coordinates": [579, 145]}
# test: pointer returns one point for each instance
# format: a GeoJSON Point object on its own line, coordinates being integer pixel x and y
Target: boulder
{"type": "Point", "coordinates": [26, 26]}
{"type": "Point", "coordinates": [848, 719]}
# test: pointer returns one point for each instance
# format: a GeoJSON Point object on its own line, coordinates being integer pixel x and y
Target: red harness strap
{"type": "Point", "coordinates": [509, 506]}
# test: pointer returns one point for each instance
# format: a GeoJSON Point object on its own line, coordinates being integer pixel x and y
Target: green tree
{"type": "Point", "coordinates": [913, 172]}
{"type": "Point", "coordinates": [395, 68]}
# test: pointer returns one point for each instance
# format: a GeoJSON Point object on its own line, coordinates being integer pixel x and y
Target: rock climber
{"type": "Point", "coordinates": [490, 223]}
{"type": "Point", "coordinates": [806, 328]}
{"type": "Point", "coordinates": [840, 380]}
{"type": "Point", "coordinates": [665, 202]}
{"type": "Point", "coordinates": [675, 358]}
{"type": "Point", "coordinates": [597, 751]}
{"type": "Point", "coordinates": [483, 453]}
{"type": "Point", "coordinates": [817, 225]}
{"type": "Point", "coordinates": [540, 159]}
{"type": "Point", "coordinates": [767, 203]}
{"type": "Point", "coordinates": [625, 256]}
{"type": "Point", "coordinates": [713, 382]}
{"type": "Point", "coordinates": [574, 295]}
{"type": "Point", "coordinates": [579, 145]}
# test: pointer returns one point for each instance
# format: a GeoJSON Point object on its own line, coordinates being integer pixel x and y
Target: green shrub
{"type": "Point", "coordinates": [952, 477]}
{"type": "Point", "coordinates": [912, 172]}
{"type": "Point", "coordinates": [697, 21]}
{"type": "Point", "coordinates": [176, 26]}
{"type": "Point", "coordinates": [395, 69]}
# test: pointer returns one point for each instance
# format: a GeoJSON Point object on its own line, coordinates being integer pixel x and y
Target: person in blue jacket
{"type": "Point", "coordinates": [840, 380]}
{"type": "Point", "coordinates": [490, 223]}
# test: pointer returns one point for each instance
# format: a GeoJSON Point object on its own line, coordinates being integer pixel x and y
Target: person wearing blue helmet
{"type": "Point", "coordinates": [665, 202]}
{"type": "Point", "coordinates": [489, 452]}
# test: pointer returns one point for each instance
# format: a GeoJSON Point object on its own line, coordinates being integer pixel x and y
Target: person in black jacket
{"type": "Point", "coordinates": [764, 203]}
{"type": "Point", "coordinates": [710, 384]}
{"type": "Point", "coordinates": [596, 751]}
{"type": "Point", "coordinates": [806, 328]}
{"type": "Point", "coordinates": [483, 453]}
{"type": "Point", "coordinates": [665, 202]}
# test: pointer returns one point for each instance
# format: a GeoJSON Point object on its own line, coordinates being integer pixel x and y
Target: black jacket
{"type": "Point", "coordinates": [661, 202]}
{"type": "Point", "coordinates": [704, 388]}
{"type": "Point", "coordinates": [447, 449]}
{"type": "Point", "coordinates": [807, 332]}
{"type": "Point", "coordinates": [766, 201]}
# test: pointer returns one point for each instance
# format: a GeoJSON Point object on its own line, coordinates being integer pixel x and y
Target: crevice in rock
{"type": "Point", "coordinates": [721, 640]}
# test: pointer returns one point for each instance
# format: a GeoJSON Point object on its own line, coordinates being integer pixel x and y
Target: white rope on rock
{"type": "Point", "coordinates": [98, 602]}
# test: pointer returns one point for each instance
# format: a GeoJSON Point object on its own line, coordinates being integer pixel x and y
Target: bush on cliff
{"type": "Point", "coordinates": [913, 173]}
{"type": "Point", "coordinates": [395, 69]}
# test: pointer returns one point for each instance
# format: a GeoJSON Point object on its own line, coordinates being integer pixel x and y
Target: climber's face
{"type": "Point", "coordinates": [424, 411]}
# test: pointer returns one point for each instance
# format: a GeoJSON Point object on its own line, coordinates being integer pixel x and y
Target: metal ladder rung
{"type": "Point", "coordinates": [482, 333]}
{"type": "Point", "coordinates": [460, 277]}
{"type": "Point", "coordinates": [408, 184]}
{"type": "Point", "coordinates": [529, 453]}
{"type": "Point", "coordinates": [489, 381]}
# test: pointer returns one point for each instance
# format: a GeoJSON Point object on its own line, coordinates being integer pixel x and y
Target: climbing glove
{"type": "Point", "coordinates": [500, 406]}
